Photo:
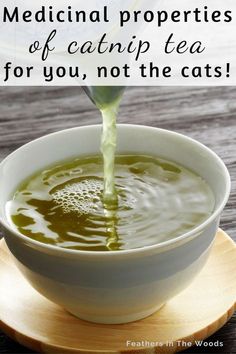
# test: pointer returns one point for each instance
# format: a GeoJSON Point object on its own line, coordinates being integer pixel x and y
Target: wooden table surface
{"type": "Point", "coordinates": [206, 114]}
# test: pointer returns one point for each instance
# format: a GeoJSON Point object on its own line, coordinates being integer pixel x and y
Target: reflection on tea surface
{"type": "Point", "coordinates": [64, 205]}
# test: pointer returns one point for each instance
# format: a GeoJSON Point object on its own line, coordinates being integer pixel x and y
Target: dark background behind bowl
{"type": "Point", "coordinates": [205, 114]}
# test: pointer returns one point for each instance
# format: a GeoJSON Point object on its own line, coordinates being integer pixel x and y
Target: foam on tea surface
{"type": "Point", "coordinates": [80, 197]}
{"type": "Point", "coordinates": [157, 200]}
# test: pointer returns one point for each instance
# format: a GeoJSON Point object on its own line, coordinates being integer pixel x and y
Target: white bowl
{"type": "Point", "coordinates": [123, 286]}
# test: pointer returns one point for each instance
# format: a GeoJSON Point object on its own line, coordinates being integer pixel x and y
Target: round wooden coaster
{"type": "Point", "coordinates": [193, 315]}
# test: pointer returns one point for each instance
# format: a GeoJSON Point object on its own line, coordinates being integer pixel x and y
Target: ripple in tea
{"type": "Point", "coordinates": [157, 201]}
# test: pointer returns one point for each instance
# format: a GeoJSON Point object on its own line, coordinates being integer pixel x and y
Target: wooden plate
{"type": "Point", "coordinates": [193, 315]}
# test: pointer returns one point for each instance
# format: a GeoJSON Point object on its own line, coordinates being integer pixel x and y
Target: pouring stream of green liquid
{"type": "Point", "coordinates": [107, 99]}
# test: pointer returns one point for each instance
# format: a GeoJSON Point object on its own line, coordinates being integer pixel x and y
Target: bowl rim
{"type": "Point", "coordinates": [174, 242]}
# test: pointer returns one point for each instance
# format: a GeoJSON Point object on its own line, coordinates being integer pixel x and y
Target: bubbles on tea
{"type": "Point", "coordinates": [79, 197]}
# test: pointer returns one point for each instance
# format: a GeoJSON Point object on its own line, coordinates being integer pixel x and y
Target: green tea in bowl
{"type": "Point", "coordinates": [157, 200]}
